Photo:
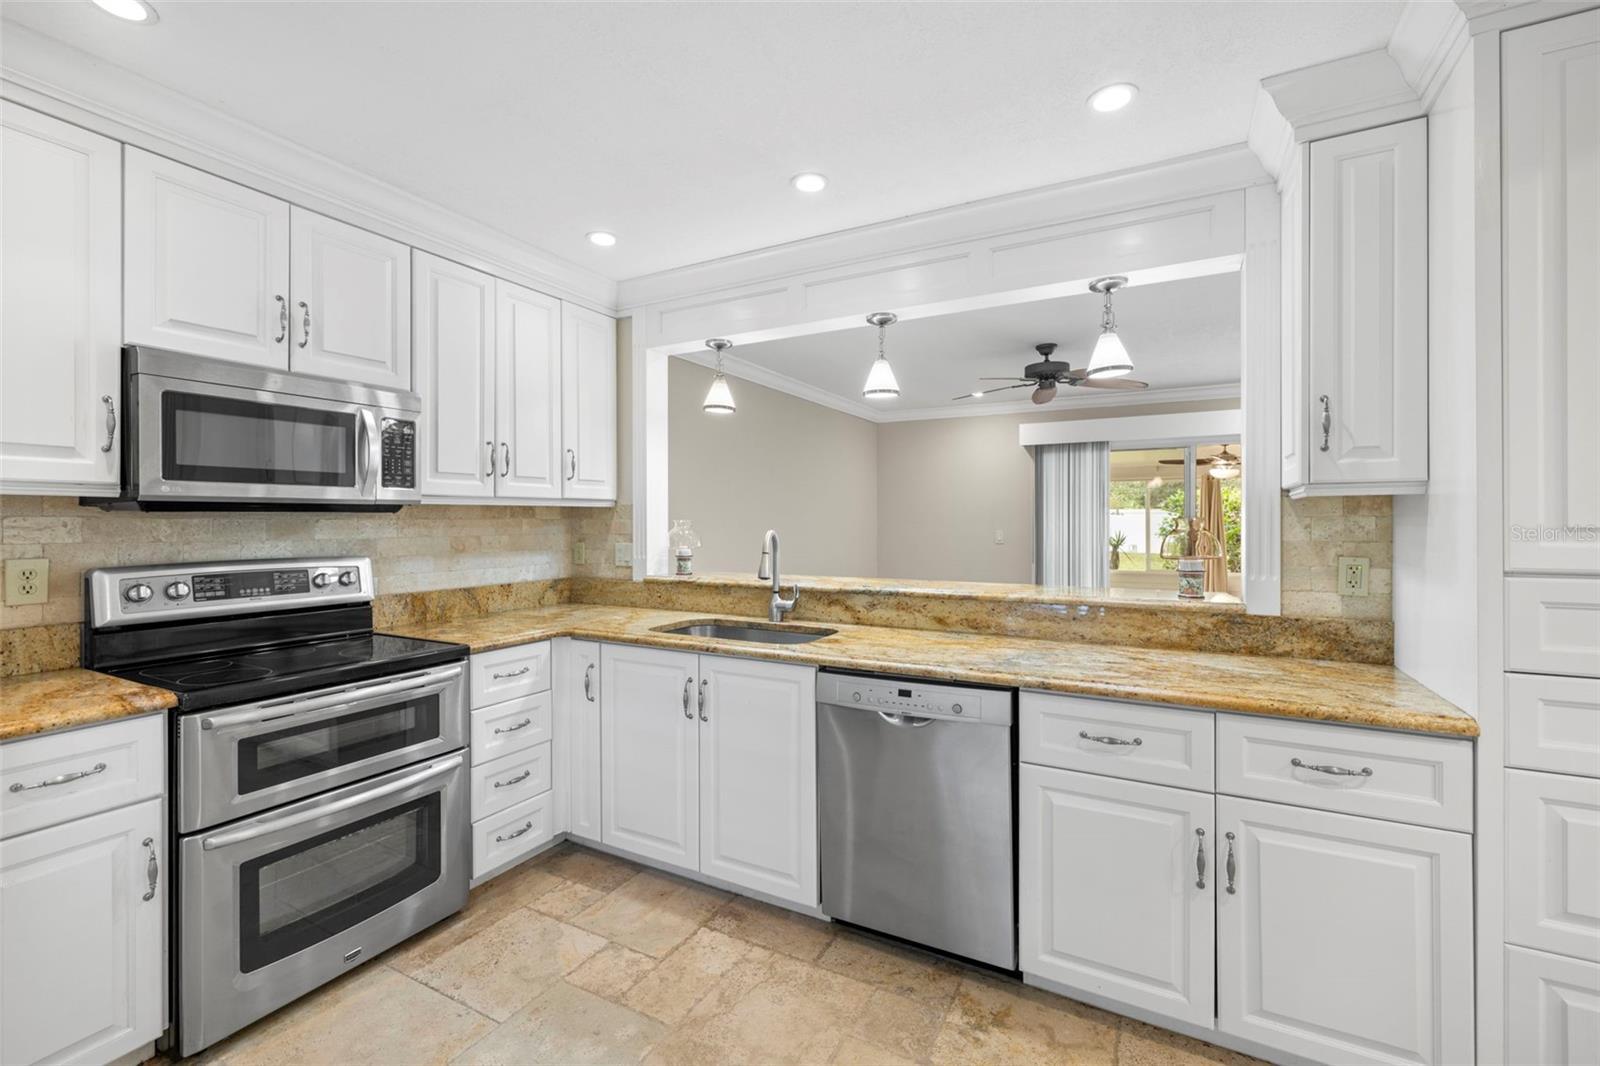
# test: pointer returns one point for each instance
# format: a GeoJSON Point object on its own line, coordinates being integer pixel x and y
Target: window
{"type": "Point", "coordinates": [1156, 491]}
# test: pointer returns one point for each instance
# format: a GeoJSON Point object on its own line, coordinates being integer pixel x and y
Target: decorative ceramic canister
{"type": "Point", "coordinates": [684, 542]}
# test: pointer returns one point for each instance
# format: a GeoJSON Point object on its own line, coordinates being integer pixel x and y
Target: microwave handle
{"type": "Point", "coordinates": [369, 451]}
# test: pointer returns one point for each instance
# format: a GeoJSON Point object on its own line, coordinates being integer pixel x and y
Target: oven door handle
{"type": "Point", "coordinates": [263, 826]}
{"type": "Point", "coordinates": [434, 680]}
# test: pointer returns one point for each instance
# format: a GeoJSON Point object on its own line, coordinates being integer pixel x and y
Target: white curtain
{"type": "Point", "coordinates": [1071, 499]}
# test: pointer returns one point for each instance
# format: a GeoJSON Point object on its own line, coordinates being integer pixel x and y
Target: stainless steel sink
{"type": "Point", "coordinates": [747, 632]}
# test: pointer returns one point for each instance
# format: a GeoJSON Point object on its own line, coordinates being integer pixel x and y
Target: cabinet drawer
{"type": "Point", "coordinates": [505, 674]}
{"type": "Point", "coordinates": [1553, 625]}
{"type": "Point", "coordinates": [1161, 745]}
{"type": "Point", "coordinates": [512, 832]}
{"type": "Point", "coordinates": [120, 762]}
{"type": "Point", "coordinates": [1552, 1009]}
{"type": "Point", "coordinates": [515, 725]}
{"type": "Point", "coordinates": [510, 779]}
{"type": "Point", "coordinates": [1404, 778]}
{"type": "Point", "coordinates": [1553, 723]}
{"type": "Point", "coordinates": [1553, 851]}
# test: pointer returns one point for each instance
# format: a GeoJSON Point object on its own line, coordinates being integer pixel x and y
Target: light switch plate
{"type": "Point", "coordinates": [624, 554]}
{"type": "Point", "coordinates": [1352, 576]}
{"type": "Point", "coordinates": [27, 581]}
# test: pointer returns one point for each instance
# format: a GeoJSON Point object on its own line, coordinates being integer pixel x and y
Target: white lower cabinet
{"type": "Point", "coordinates": [83, 937]}
{"type": "Point", "coordinates": [1344, 939]}
{"type": "Point", "coordinates": [1552, 1008]}
{"type": "Point", "coordinates": [1116, 886]}
{"type": "Point", "coordinates": [513, 733]}
{"type": "Point", "coordinates": [708, 763]}
{"type": "Point", "coordinates": [581, 722]}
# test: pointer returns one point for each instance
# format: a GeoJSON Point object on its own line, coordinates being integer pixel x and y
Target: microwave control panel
{"type": "Point", "coordinates": [399, 453]}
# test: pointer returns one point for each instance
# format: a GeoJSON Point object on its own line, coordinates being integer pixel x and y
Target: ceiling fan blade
{"type": "Point", "coordinates": [1044, 393]}
{"type": "Point", "coordinates": [1002, 388]}
{"type": "Point", "coordinates": [1111, 383]}
{"type": "Point", "coordinates": [1005, 379]}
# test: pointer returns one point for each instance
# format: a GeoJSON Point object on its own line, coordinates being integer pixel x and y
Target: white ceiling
{"type": "Point", "coordinates": [1181, 334]}
{"type": "Point", "coordinates": [678, 125]}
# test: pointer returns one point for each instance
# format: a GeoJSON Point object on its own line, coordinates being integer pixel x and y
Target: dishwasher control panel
{"type": "Point", "coordinates": [916, 698]}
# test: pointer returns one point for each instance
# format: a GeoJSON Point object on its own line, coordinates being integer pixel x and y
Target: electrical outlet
{"type": "Point", "coordinates": [999, 536]}
{"type": "Point", "coordinates": [27, 581]}
{"type": "Point", "coordinates": [623, 554]}
{"type": "Point", "coordinates": [580, 553]}
{"type": "Point", "coordinates": [1352, 576]}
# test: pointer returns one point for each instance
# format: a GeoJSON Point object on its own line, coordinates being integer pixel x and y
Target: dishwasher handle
{"type": "Point", "coordinates": [905, 721]}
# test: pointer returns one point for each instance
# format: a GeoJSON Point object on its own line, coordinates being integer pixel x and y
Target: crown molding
{"type": "Point", "coordinates": [1271, 137]}
{"type": "Point", "coordinates": [1493, 16]}
{"type": "Point", "coordinates": [52, 77]}
{"type": "Point", "coordinates": [1343, 95]}
{"type": "Point", "coordinates": [1426, 44]}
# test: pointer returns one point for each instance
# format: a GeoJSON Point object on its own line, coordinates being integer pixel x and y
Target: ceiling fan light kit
{"type": "Point", "coordinates": [881, 383]}
{"type": "Point", "coordinates": [719, 398]}
{"type": "Point", "coordinates": [1110, 358]}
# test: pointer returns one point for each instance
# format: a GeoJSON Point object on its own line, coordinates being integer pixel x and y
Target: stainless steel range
{"type": "Point", "coordinates": [319, 786]}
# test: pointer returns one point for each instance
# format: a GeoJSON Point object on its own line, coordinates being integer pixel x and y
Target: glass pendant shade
{"type": "Point", "coordinates": [881, 383]}
{"type": "Point", "coordinates": [1224, 471]}
{"type": "Point", "coordinates": [1110, 358]}
{"type": "Point", "coordinates": [719, 398]}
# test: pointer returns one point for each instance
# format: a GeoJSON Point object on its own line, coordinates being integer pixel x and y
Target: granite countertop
{"type": "Point", "coordinates": [62, 699]}
{"type": "Point", "coordinates": [1322, 690]}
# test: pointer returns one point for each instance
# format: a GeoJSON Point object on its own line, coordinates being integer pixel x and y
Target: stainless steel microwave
{"type": "Point", "coordinates": [210, 434]}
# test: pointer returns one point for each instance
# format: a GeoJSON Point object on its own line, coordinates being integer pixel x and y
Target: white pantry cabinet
{"type": "Point", "coordinates": [60, 353]}
{"type": "Point", "coordinates": [1117, 890]}
{"type": "Point", "coordinates": [708, 763]}
{"type": "Point", "coordinates": [1360, 423]}
{"type": "Point", "coordinates": [589, 403]}
{"type": "Point", "coordinates": [581, 723]}
{"type": "Point", "coordinates": [351, 296]}
{"type": "Point", "coordinates": [1343, 939]}
{"type": "Point", "coordinates": [205, 264]}
{"type": "Point", "coordinates": [1550, 124]}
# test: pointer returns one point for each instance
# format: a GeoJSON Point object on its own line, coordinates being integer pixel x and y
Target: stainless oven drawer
{"type": "Point", "coordinates": [273, 906]}
{"type": "Point", "coordinates": [242, 760]}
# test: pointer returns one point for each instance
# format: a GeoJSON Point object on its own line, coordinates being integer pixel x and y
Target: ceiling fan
{"type": "Point", "coordinates": [1227, 464]}
{"type": "Point", "coordinates": [1044, 376]}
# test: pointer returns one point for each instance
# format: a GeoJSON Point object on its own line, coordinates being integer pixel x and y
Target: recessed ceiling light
{"type": "Point", "coordinates": [599, 237]}
{"type": "Point", "coordinates": [128, 10]}
{"type": "Point", "coordinates": [1113, 97]}
{"type": "Point", "coordinates": [809, 182]}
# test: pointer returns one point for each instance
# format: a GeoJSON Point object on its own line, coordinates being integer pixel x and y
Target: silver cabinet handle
{"type": "Point", "coordinates": [283, 320]}
{"type": "Point", "coordinates": [688, 686]}
{"type": "Point", "coordinates": [1200, 858]}
{"type": "Point", "coordinates": [1334, 771]}
{"type": "Point", "coordinates": [111, 422]}
{"type": "Point", "coordinates": [1327, 421]}
{"type": "Point", "coordinates": [305, 323]}
{"type": "Point", "coordinates": [1086, 735]}
{"type": "Point", "coordinates": [512, 836]}
{"type": "Point", "coordinates": [588, 682]}
{"type": "Point", "coordinates": [152, 871]}
{"type": "Point", "coordinates": [505, 459]}
{"type": "Point", "coordinates": [703, 685]}
{"type": "Point", "coordinates": [525, 723]}
{"type": "Point", "coordinates": [572, 464]}
{"type": "Point", "coordinates": [1231, 864]}
{"type": "Point", "coordinates": [512, 673]}
{"type": "Point", "coordinates": [76, 775]}
{"type": "Point", "coordinates": [489, 444]}
{"type": "Point", "coordinates": [519, 779]}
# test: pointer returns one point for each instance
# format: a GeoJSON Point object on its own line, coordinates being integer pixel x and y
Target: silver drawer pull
{"type": "Point", "coordinates": [525, 723]}
{"type": "Point", "coordinates": [527, 826]}
{"type": "Point", "coordinates": [514, 673]}
{"type": "Point", "coordinates": [1336, 771]}
{"type": "Point", "coordinates": [1200, 859]}
{"type": "Point", "coordinates": [152, 870]}
{"type": "Point", "coordinates": [76, 775]}
{"type": "Point", "coordinates": [1134, 743]}
{"type": "Point", "coordinates": [588, 682]}
{"type": "Point", "coordinates": [519, 779]}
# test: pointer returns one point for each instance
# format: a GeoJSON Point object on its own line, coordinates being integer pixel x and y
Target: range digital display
{"type": "Point", "coordinates": [244, 584]}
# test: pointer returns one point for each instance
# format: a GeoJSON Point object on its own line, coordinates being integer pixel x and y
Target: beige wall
{"type": "Point", "coordinates": [780, 462]}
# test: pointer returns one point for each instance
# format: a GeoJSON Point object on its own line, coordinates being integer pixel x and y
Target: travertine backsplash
{"type": "Point", "coordinates": [1316, 532]}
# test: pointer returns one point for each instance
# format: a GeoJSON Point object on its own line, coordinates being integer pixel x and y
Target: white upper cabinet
{"type": "Point", "coordinates": [650, 753]}
{"type": "Point", "coordinates": [527, 393]}
{"type": "Point", "coordinates": [1551, 141]}
{"type": "Point", "coordinates": [1361, 418]}
{"type": "Point", "coordinates": [589, 403]}
{"type": "Point", "coordinates": [206, 264]}
{"type": "Point", "coordinates": [350, 296]}
{"type": "Point", "coordinates": [453, 310]}
{"type": "Point", "coordinates": [60, 353]}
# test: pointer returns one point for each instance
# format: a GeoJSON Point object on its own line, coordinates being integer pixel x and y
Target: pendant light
{"type": "Point", "coordinates": [881, 383]}
{"type": "Point", "coordinates": [1110, 358]}
{"type": "Point", "coordinates": [719, 398]}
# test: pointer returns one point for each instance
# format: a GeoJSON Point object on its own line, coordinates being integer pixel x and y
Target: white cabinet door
{"type": "Point", "coordinates": [583, 746]}
{"type": "Point", "coordinates": [1553, 853]}
{"type": "Point", "coordinates": [1367, 340]}
{"type": "Point", "coordinates": [452, 309]}
{"type": "Point", "coordinates": [1344, 939]}
{"type": "Point", "coordinates": [206, 264]}
{"type": "Point", "coordinates": [350, 292]}
{"type": "Point", "coordinates": [82, 951]}
{"type": "Point", "coordinates": [60, 350]}
{"type": "Point", "coordinates": [1552, 1009]}
{"type": "Point", "coordinates": [1117, 890]}
{"type": "Point", "coordinates": [588, 404]}
{"type": "Point", "coordinates": [527, 393]}
{"type": "Point", "coordinates": [1551, 123]}
{"type": "Point", "coordinates": [650, 754]}
{"type": "Point", "coordinates": [758, 776]}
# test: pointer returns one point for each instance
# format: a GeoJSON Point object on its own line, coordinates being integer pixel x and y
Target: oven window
{"type": "Point", "coordinates": [299, 751]}
{"type": "Point", "coordinates": [303, 894]}
{"type": "Point", "coordinates": [241, 442]}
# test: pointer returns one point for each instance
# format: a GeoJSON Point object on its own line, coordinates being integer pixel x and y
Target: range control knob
{"type": "Point", "coordinates": [178, 590]}
{"type": "Point", "coordinates": [137, 593]}
{"type": "Point", "coordinates": [322, 579]}
{"type": "Point", "coordinates": [347, 577]}
{"type": "Point", "coordinates": [856, 696]}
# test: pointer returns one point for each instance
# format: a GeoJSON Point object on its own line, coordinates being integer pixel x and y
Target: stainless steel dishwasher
{"type": "Point", "coordinates": [916, 812]}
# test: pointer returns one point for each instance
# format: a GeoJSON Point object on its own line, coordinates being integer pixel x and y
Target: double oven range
{"type": "Point", "coordinates": [318, 778]}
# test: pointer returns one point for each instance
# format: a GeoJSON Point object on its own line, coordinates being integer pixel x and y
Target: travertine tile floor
{"type": "Point", "coordinates": [579, 957]}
